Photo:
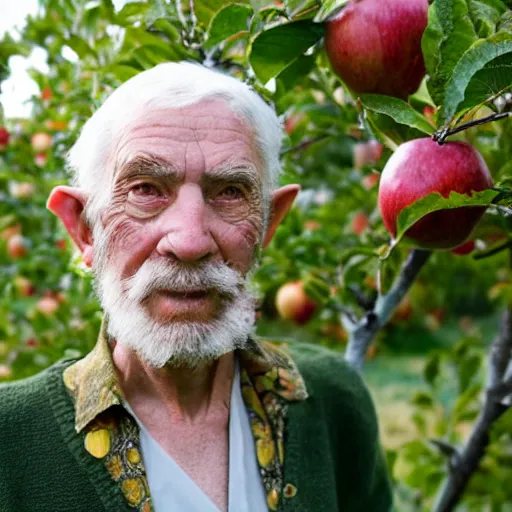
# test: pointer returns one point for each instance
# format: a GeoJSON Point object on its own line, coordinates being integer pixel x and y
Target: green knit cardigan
{"type": "Point", "coordinates": [332, 453]}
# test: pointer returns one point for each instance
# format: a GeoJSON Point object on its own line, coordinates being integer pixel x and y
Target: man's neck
{"type": "Point", "coordinates": [188, 395]}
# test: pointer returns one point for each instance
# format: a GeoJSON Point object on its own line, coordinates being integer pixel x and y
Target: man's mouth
{"type": "Point", "coordinates": [189, 294]}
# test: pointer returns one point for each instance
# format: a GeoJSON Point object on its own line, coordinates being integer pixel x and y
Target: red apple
{"type": "Point", "coordinates": [24, 286]}
{"type": "Point", "coordinates": [5, 371]}
{"type": "Point", "coordinates": [466, 248]}
{"type": "Point", "coordinates": [359, 223]}
{"type": "Point", "coordinates": [61, 244]}
{"type": "Point", "coordinates": [367, 153]}
{"type": "Point", "coordinates": [428, 112]}
{"type": "Point", "coordinates": [292, 303]}
{"type": "Point", "coordinates": [47, 306]}
{"type": "Point", "coordinates": [375, 46]}
{"type": "Point", "coordinates": [312, 225]}
{"type": "Point", "coordinates": [17, 247]}
{"type": "Point", "coordinates": [40, 159]}
{"type": "Point", "coordinates": [22, 190]}
{"type": "Point", "coordinates": [56, 125]}
{"type": "Point", "coordinates": [10, 231]}
{"type": "Point", "coordinates": [370, 180]}
{"type": "Point", "coordinates": [4, 138]}
{"type": "Point", "coordinates": [292, 121]}
{"type": "Point", "coordinates": [31, 342]}
{"type": "Point", "coordinates": [41, 141]}
{"type": "Point", "coordinates": [46, 93]}
{"type": "Point", "coordinates": [420, 167]}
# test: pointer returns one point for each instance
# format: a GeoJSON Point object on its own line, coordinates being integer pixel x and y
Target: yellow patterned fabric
{"type": "Point", "coordinates": [269, 380]}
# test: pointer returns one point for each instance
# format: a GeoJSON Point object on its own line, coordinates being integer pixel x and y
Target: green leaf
{"type": "Point", "coordinates": [484, 70]}
{"type": "Point", "coordinates": [505, 23]}
{"type": "Point", "coordinates": [485, 15]}
{"type": "Point", "coordinates": [275, 49]}
{"type": "Point", "coordinates": [467, 369]}
{"type": "Point", "coordinates": [465, 399]}
{"type": "Point", "coordinates": [400, 111]}
{"type": "Point", "coordinates": [448, 35]}
{"type": "Point", "coordinates": [431, 370]}
{"type": "Point", "coordinates": [79, 46]}
{"type": "Point", "coordinates": [131, 12]}
{"type": "Point", "coordinates": [329, 7]}
{"type": "Point", "coordinates": [422, 399]}
{"type": "Point", "coordinates": [228, 21]}
{"type": "Point", "coordinates": [296, 71]}
{"type": "Point", "coordinates": [205, 10]}
{"type": "Point", "coordinates": [434, 202]}
{"type": "Point", "coordinates": [300, 8]}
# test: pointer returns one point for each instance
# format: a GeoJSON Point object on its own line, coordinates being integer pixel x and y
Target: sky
{"type": "Point", "coordinates": [19, 87]}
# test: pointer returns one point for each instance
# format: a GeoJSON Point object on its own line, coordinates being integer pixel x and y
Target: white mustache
{"type": "Point", "coordinates": [158, 275]}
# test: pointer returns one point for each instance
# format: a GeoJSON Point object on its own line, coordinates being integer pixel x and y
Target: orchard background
{"type": "Point", "coordinates": [424, 321]}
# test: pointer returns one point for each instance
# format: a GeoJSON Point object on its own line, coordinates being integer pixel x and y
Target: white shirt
{"type": "Point", "coordinates": [172, 490]}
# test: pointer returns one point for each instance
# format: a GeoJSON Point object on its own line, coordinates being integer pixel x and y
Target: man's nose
{"type": "Point", "coordinates": [186, 228]}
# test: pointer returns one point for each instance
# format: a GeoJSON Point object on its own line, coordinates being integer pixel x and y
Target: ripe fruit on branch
{"type": "Point", "coordinates": [24, 286]}
{"type": "Point", "coordinates": [421, 167]}
{"type": "Point", "coordinates": [10, 231]}
{"type": "Point", "coordinates": [466, 248]}
{"type": "Point", "coordinates": [22, 190]}
{"type": "Point", "coordinates": [370, 180]}
{"type": "Point", "coordinates": [366, 153]}
{"type": "Point", "coordinates": [359, 223]}
{"type": "Point", "coordinates": [4, 138]}
{"type": "Point", "coordinates": [40, 159]}
{"type": "Point", "coordinates": [46, 93]}
{"type": "Point", "coordinates": [375, 46]}
{"type": "Point", "coordinates": [47, 306]}
{"type": "Point", "coordinates": [41, 141]}
{"type": "Point", "coordinates": [17, 247]}
{"type": "Point", "coordinates": [292, 303]}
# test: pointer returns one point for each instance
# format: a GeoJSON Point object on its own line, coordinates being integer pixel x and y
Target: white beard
{"type": "Point", "coordinates": [174, 343]}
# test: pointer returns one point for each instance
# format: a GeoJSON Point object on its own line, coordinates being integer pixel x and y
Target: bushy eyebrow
{"type": "Point", "coordinates": [232, 171]}
{"type": "Point", "coordinates": [143, 165]}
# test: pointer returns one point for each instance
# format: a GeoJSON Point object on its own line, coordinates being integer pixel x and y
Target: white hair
{"type": "Point", "coordinates": [168, 85]}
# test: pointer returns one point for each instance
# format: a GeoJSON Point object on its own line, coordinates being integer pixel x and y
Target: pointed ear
{"type": "Point", "coordinates": [68, 204]}
{"type": "Point", "coordinates": [281, 202]}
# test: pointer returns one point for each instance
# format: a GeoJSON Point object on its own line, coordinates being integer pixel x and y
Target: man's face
{"type": "Point", "coordinates": [177, 238]}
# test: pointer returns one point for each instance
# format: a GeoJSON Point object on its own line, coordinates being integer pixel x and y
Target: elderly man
{"type": "Point", "coordinates": [179, 407]}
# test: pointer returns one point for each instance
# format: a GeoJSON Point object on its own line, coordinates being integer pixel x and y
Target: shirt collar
{"type": "Point", "coordinates": [93, 383]}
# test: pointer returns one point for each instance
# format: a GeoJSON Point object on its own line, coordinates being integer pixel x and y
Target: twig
{"type": "Point", "coordinates": [441, 135]}
{"type": "Point", "coordinates": [304, 144]}
{"type": "Point", "coordinates": [493, 251]}
{"type": "Point", "coordinates": [363, 332]}
{"type": "Point", "coordinates": [469, 459]}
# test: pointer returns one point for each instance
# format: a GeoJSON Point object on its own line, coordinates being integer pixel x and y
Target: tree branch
{"type": "Point", "coordinates": [363, 332]}
{"type": "Point", "coordinates": [304, 144]}
{"type": "Point", "coordinates": [441, 135]}
{"type": "Point", "coordinates": [499, 384]}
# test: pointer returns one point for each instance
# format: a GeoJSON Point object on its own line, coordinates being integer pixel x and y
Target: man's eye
{"type": "Point", "coordinates": [145, 189]}
{"type": "Point", "coordinates": [230, 192]}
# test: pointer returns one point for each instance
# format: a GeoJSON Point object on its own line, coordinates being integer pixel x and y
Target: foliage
{"type": "Point", "coordinates": [277, 48]}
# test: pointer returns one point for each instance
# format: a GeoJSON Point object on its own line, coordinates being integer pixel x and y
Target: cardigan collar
{"type": "Point", "coordinates": [94, 385]}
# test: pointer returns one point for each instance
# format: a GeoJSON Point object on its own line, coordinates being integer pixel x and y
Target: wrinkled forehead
{"type": "Point", "coordinates": [172, 134]}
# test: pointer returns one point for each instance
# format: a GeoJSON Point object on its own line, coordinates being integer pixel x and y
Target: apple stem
{"type": "Point", "coordinates": [497, 400]}
{"type": "Point", "coordinates": [362, 332]}
{"type": "Point", "coordinates": [441, 134]}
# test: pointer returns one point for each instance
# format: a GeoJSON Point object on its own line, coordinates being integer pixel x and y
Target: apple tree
{"type": "Point", "coordinates": [397, 125]}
